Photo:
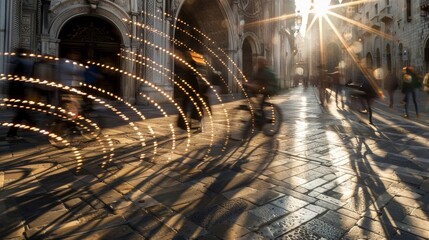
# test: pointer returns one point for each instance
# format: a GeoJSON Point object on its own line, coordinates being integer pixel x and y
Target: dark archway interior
{"type": "Point", "coordinates": [369, 63]}
{"type": "Point", "coordinates": [388, 58]}
{"type": "Point", "coordinates": [427, 54]}
{"type": "Point", "coordinates": [203, 18]}
{"type": "Point", "coordinates": [89, 38]}
{"type": "Point", "coordinates": [247, 59]}
{"type": "Point", "coordinates": [377, 58]}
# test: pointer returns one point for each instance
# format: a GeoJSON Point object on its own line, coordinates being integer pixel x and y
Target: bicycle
{"type": "Point", "coordinates": [72, 127]}
{"type": "Point", "coordinates": [246, 118]}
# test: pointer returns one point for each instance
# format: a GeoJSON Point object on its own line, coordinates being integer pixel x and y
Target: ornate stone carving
{"type": "Point", "coordinates": [250, 8]}
{"type": "Point", "coordinates": [175, 6]}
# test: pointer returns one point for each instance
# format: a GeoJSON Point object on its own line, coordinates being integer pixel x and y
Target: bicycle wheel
{"type": "Point", "coordinates": [273, 119]}
{"type": "Point", "coordinates": [63, 135]}
{"type": "Point", "coordinates": [240, 122]}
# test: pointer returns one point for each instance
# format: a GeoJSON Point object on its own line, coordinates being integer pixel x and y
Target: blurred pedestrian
{"type": "Point", "coordinates": [391, 83]}
{"type": "Point", "coordinates": [410, 86]}
{"type": "Point", "coordinates": [426, 83]}
{"type": "Point", "coordinates": [338, 82]}
{"type": "Point", "coordinates": [296, 79]}
{"type": "Point", "coordinates": [266, 83]}
{"type": "Point", "coordinates": [370, 93]}
{"type": "Point", "coordinates": [305, 81]}
{"type": "Point", "coordinates": [21, 67]}
{"type": "Point", "coordinates": [44, 70]}
{"type": "Point", "coordinates": [70, 74]}
{"type": "Point", "coordinates": [215, 89]}
{"type": "Point", "coordinates": [364, 91]}
{"type": "Point", "coordinates": [92, 76]}
{"type": "Point", "coordinates": [322, 84]}
{"type": "Point", "coordinates": [188, 80]}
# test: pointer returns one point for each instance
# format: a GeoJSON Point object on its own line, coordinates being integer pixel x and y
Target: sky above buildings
{"type": "Point", "coordinates": [303, 8]}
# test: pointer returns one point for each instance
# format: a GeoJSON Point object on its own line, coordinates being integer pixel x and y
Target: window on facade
{"type": "Point", "coordinates": [378, 58]}
{"type": "Point", "coordinates": [388, 58]}
{"type": "Point", "coordinates": [408, 9]}
{"type": "Point", "coordinates": [387, 2]}
{"type": "Point", "coordinates": [376, 9]}
{"type": "Point", "coordinates": [367, 15]}
{"type": "Point", "coordinates": [427, 52]}
{"type": "Point", "coordinates": [400, 49]}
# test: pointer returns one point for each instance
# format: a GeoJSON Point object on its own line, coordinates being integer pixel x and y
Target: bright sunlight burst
{"type": "Point", "coordinates": [321, 7]}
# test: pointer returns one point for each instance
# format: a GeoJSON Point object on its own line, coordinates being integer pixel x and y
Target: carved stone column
{"type": "Point", "coordinates": [155, 52]}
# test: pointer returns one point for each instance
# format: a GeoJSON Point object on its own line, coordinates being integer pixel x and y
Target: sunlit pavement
{"type": "Point", "coordinates": [327, 174]}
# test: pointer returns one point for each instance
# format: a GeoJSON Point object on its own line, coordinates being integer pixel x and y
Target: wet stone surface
{"type": "Point", "coordinates": [324, 229]}
{"type": "Point", "coordinates": [300, 233]}
{"type": "Point", "coordinates": [289, 203]}
{"type": "Point", "coordinates": [326, 175]}
{"type": "Point", "coordinates": [269, 212]}
{"type": "Point", "coordinates": [287, 223]}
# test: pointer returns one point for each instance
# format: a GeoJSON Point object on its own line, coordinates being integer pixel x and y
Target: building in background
{"type": "Point", "coordinates": [136, 40]}
{"type": "Point", "coordinates": [384, 35]}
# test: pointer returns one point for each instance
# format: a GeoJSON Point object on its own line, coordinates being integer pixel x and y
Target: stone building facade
{"type": "Point", "coordinates": [136, 40]}
{"type": "Point", "coordinates": [397, 34]}
{"type": "Point", "coordinates": [384, 35]}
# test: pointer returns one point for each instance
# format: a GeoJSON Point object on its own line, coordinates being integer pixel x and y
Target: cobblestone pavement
{"type": "Point", "coordinates": [326, 175]}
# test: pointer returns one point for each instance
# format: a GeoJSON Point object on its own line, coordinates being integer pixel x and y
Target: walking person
{"type": "Point", "coordinates": [188, 80]}
{"type": "Point", "coordinates": [92, 76]}
{"type": "Point", "coordinates": [370, 94]}
{"type": "Point", "coordinates": [21, 66]}
{"type": "Point", "coordinates": [323, 84]}
{"type": "Point", "coordinates": [338, 82]}
{"type": "Point", "coordinates": [410, 86]}
{"type": "Point", "coordinates": [266, 79]}
{"type": "Point", "coordinates": [391, 83]}
{"type": "Point", "coordinates": [367, 94]}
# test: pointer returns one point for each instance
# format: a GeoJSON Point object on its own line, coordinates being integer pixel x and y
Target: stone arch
{"type": "Point", "coordinates": [377, 58]}
{"type": "Point", "coordinates": [64, 11]}
{"type": "Point", "coordinates": [224, 8]}
{"type": "Point", "coordinates": [108, 11]}
{"type": "Point", "coordinates": [368, 60]}
{"type": "Point", "coordinates": [90, 38]}
{"type": "Point", "coordinates": [388, 58]}
{"type": "Point", "coordinates": [212, 19]}
{"type": "Point", "coordinates": [250, 49]}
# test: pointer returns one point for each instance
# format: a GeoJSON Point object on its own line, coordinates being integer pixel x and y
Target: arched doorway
{"type": "Point", "coordinates": [203, 27]}
{"type": "Point", "coordinates": [89, 38]}
{"type": "Point", "coordinates": [377, 58]}
{"type": "Point", "coordinates": [187, 38]}
{"type": "Point", "coordinates": [368, 62]}
{"type": "Point", "coordinates": [401, 56]}
{"type": "Point", "coordinates": [389, 58]}
{"type": "Point", "coordinates": [427, 55]}
{"type": "Point", "coordinates": [247, 59]}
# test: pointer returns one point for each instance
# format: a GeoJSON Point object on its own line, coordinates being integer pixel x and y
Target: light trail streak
{"type": "Point", "coordinates": [176, 42]}
{"type": "Point", "coordinates": [367, 74]}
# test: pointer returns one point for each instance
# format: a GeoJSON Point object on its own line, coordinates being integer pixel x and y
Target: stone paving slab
{"type": "Point", "coordinates": [326, 175]}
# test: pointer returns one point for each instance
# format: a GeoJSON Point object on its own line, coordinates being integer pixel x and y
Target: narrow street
{"type": "Point", "coordinates": [328, 174]}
